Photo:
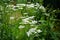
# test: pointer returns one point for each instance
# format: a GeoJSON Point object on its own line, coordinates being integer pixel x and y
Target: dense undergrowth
{"type": "Point", "coordinates": [27, 21]}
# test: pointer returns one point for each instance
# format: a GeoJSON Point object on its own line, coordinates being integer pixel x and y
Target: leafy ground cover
{"type": "Point", "coordinates": [27, 22]}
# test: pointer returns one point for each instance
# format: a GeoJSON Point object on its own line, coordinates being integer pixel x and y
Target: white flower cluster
{"type": "Point", "coordinates": [10, 6]}
{"type": "Point", "coordinates": [30, 5]}
{"type": "Point", "coordinates": [11, 18]}
{"type": "Point", "coordinates": [42, 8]}
{"type": "Point", "coordinates": [21, 26]}
{"type": "Point", "coordinates": [28, 20]}
{"type": "Point", "coordinates": [25, 13]}
{"type": "Point", "coordinates": [20, 6]}
{"type": "Point", "coordinates": [33, 31]}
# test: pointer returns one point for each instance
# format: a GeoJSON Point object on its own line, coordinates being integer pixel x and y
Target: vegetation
{"type": "Point", "coordinates": [28, 20]}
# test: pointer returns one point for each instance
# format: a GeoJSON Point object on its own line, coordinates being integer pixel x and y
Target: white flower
{"type": "Point", "coordinates": [30, 5]}
{"type": "Point", "coordinates": [25, 21]}
{"type": "Point", "coordinates": [39, 31]}
{"type": "Point", "coordinates": [20, 8]}
{"type": "Point", "coordinates": [42, 8]}
{"type": "Point", "coordinates": [28, 33]}
{"type": "Point", "coordinates": [15, 8]}
{"type": "Point", "coordinates": [25, 13]}
{"type": "Point", "coordinates": [21, 26]}
{"type": "Point", "coordinates": [31, 17]}
{"type": "Point", "coordinates": [46, 14]}
{"type": "Point", "coordinates": [37, 4]}
{"type": "Point", "coordinates": [10, 5]}
{"type": "Point", "coordinates": [34, 22]}
{"type": "Point", "coordinates": [21, 4]}
{"type": "Point", "coordinates": [28, 20]}
{"type": "Point", "coordinates": [12, 17]}
{"type": "Point", "coordinates": [32, 30]}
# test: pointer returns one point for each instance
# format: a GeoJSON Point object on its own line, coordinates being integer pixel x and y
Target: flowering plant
{"type": "Point", "coordinates": [27, 22]}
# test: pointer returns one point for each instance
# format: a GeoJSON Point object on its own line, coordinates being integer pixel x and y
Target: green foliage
{"type": "Point", "coordinates": [27, 21]}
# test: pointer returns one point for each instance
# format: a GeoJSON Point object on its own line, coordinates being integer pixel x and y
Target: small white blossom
{"type": "Point", "coordinates": [21, 26]}
{"type": "Point", "coordinates": [10, 5]}
{"type": "Point", "coordinates": [46, 14]}
{"type": "Point", "coordinates": [28, 33]}
{"type": "Point", "coordinates": [39, 31]}
{"type": "Point", "coordinates": [25, 21]}
{"type": "Point", "coordinates": [12, 17]}
{"type": "Point", "coordinates": [15, 8]}
{"type": "Point", "coordinates": [20, 8]}
{"type": "Point", "coordinates": [42, 8]}
{"type": "Point", "coordinates": [32, 30]}
{"type": "Point", "coordinates": [30, 5]}
{"type": "Point", "coordinates": [25, 13]}
{"type": "Point", "coordinates": [34, 22]}
{"type": "Point", "coordinates": [31, 17]}
{"type": "Point", "coordinates": [21, 4]}
{"type": "Point", "coordinates": [37, 4]}
{"type": "Point", "coordinates": [54, 10]}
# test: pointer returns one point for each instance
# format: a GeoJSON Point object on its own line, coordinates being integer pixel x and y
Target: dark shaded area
{"type": "Point", "coordinates": [54, 3]}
